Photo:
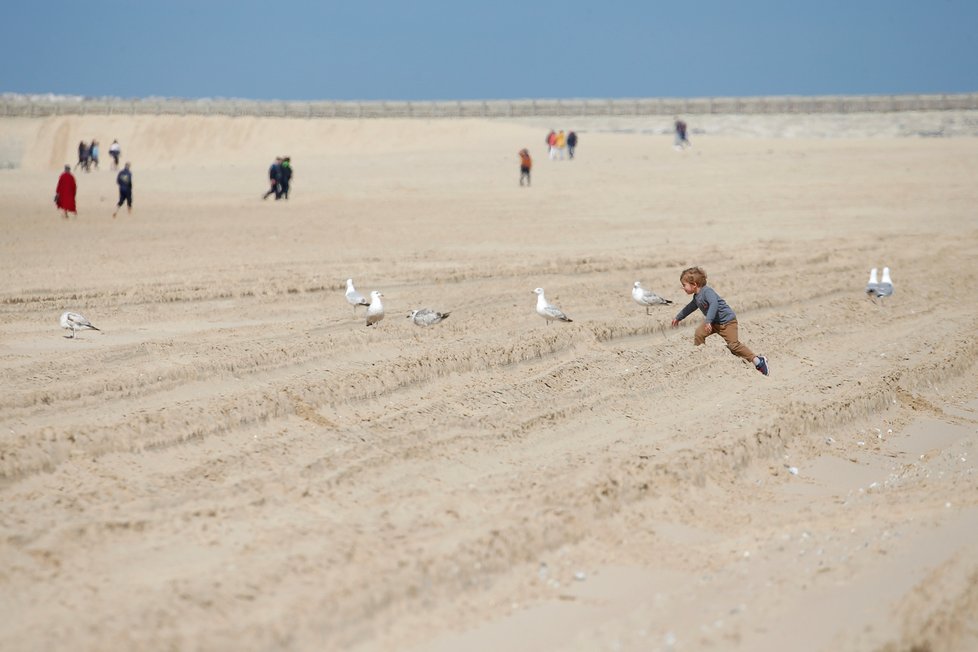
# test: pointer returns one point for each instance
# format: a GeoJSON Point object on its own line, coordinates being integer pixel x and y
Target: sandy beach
{"type": "Point", "coordinates": [236, 462]}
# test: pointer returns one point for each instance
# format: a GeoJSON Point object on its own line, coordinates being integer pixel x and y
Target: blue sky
{"type": "Point", "coordinates": [499, 49]}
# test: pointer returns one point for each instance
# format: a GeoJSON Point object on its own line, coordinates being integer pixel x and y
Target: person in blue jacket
{"type": "Point", "coordinates": [124, 179]}
{"type": "Point", "coordinates": [275, 179]}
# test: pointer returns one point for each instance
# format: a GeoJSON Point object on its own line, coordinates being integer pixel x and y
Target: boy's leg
{"type": "Point", "coordinates": [700, 335]}
{"type": "Point", "coordinates": [729, 334]}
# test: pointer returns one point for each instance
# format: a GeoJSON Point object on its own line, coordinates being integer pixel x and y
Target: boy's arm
{"type": "Point", "coordinates": [682, 314]}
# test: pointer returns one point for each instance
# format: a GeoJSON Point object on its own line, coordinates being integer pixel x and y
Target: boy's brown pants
{"type": "Point", "coordinates": [728, 332]}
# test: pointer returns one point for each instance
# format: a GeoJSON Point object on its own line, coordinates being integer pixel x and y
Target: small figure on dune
{"type": "Point", "coordinates": [375, 311]}
{"type": "Point", "coordinates": [74, 322]}
{"type": "Point", "coordinates": [560, 143]}
{"type": "Point", "coordinates": [427, 317]}
{"type": "Point", "coordinates": [275, 179]}
{"type": "Point", "coordinates": [64, 194]}
{"type": "Point", "coordinates": [571, 143]}
{"type": "Point", "coordinates": [719, 317]}
{"type": "Point", "coordinates": [682, 140]}
{"type": "Point", "coordinates": [124, 180]}
{"type": "Point", "coordinates": [353, 297]}
{"type": "Point", "coordinates": [115, 151]}
{"type": "Point", "coordinates": [547, 310]}
{"type": "Point", "coordinates": [83, 156]}
{"type": "Point", "coordinates": [647, 298]}
{"type": "Point", "coordinates": [285, 173]}
{"type": "Point", "coordinates": [526, 163]}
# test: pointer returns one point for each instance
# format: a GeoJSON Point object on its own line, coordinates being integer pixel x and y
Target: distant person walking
{"type": "Point", "coordinates": [124, 179]}
{"type": "Point", "coordinates": [682, 140]}
{"type": "Point", "coordinates": [285, 176]}
{"type": "Point", "coordinates": [275, 179]}
{"type": "Point", "coordinates": [64, 194]}
{"type": "Point", "coordinates": [115, 151]}
{"type": "Point", "coordinates": [93, 153]}
{"type": "Point", "coordinates": [552, 144]}
{"type": "Point", "coordinates": [561, 144]}
{"type": "Point", "coordinates": [571, 143]}
{"type": "Point", "coordinates": [83, 153]}
{"type": "Point", "coordinates": [525, 164]}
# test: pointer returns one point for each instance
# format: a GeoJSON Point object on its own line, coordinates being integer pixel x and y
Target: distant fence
{"type": "Point", "coordinates": [34, 107]}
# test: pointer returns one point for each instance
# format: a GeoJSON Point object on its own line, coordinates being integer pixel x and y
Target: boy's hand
{"type": "Point", "coordinates": [675, 323]}
{"type": "Point", "coordinates": [707, 328]}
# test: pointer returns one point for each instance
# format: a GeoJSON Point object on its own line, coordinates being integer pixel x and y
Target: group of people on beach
{"type": "Point", "coordinates": [66, 192]}
{"type": "Point", "coordinates": [559, 143]}
{"type": "Point", "coordinates": [279, 178]}
{"type": "Point", "coordinates": [88, 155]}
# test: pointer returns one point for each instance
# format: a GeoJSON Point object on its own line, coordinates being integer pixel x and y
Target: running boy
{"type": "Point", "coordinates": [719, 317]}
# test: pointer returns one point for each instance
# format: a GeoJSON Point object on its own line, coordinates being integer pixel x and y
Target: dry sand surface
{"type": "Point", "coordinates": [236, 462]}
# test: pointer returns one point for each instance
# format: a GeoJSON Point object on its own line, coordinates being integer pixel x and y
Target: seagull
{"type": "Point", "coordinates": [647, 298]}
{"type": "Point", "coordinates": [353, 297]}
{"type": "Point", "coordinates": [426, 317]}
{"type": "Point", "coordinates": [873, 286]}
{"type": "Point", "coordinates": [74, 322]}
{"type": "Point", "coordinates": [375, 311]}
{"type": "Point", "coordinates": [885, 288]}
{"type": "Point", "coordinates": [548, 311]}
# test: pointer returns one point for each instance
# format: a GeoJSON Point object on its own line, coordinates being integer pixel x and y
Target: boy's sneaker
{"type": "Point", "coordinates": [761, 364]}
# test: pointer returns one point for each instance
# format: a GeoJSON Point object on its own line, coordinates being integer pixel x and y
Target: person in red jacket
{"type": "Point", "coordinates": [64, 195]}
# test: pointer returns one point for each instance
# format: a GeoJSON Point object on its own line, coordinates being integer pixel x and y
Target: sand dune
{"type": "Point", "coordinates": [236, 462]}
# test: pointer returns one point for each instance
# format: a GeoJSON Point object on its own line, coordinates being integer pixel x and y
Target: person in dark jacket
{"type": "Point", "coordinates": [571, 143]}
{"type": "Point", "coordinates": [124, 179]}
{"type": "Point", "coordinates": [286, 177]}
{"type": "Point", "coordinates": [83, 156]}
{"type": "Point", "coordinates": [275, 179]}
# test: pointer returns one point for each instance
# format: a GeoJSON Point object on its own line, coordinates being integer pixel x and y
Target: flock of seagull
{"type": "Point", "coordinates": [427, 317]}
{"type": "Point", "coordinates": [879, 289]}
{"type": "Point", "coordinates": [375, 308]}
{"type": "Point", "coordinates": [424, 317]}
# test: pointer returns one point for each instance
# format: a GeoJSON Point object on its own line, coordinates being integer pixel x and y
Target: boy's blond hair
{"type": "Point", "coordinates": [694, 275]}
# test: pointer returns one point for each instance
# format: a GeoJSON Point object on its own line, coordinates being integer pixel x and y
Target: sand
{"type": "Point", "coordinates": [236, 462]}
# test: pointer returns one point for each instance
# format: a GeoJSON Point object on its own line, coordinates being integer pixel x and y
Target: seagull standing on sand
{"type": "Point", "coordinates": [879, 290]}
{"type": "Point", "coordinates": [886, 285]}
{"type": "Point", "coordinates": [873, 286]}
{"type": "Point", "coordinates": [74, 322]}
{"type": "Point", "coordinates": [647, 298]}
{"type": "Point", "coordinates": [426, 317]}
{"type": "Point", "coordinates": [375, 311]}
{"type": "Point", "coordinates": [548, 311]}
{"type": "Point", "coordinates": [353, 297]}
